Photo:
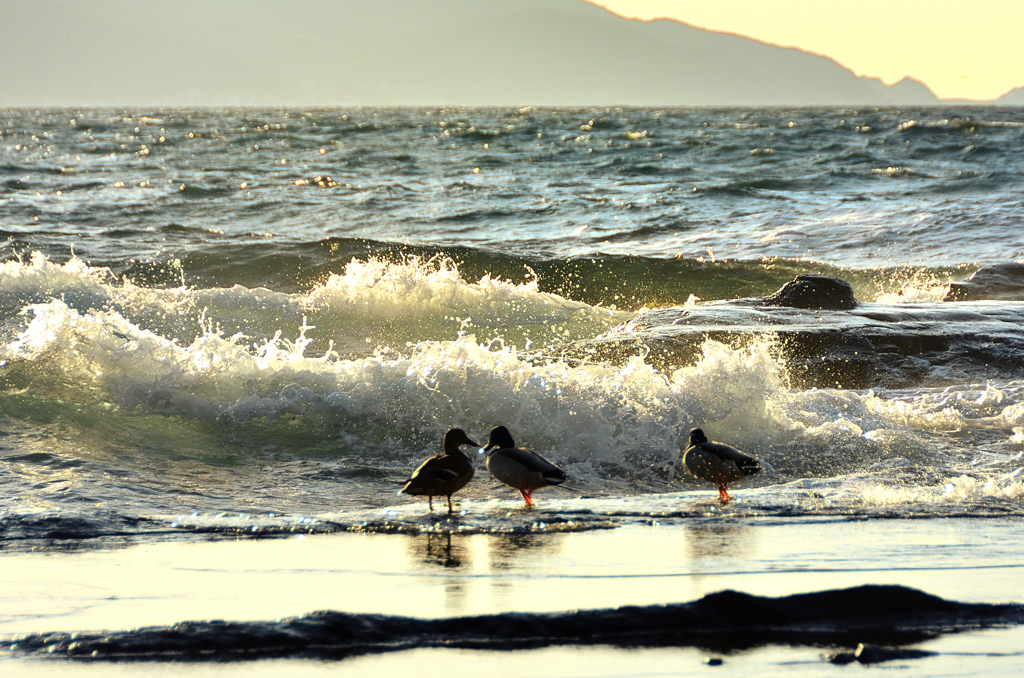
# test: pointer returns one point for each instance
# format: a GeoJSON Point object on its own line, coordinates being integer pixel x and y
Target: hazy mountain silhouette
{"type": "Point", "coordinates": [400, 52]}
{"type": "Point", "coordinates": [1015, 97]}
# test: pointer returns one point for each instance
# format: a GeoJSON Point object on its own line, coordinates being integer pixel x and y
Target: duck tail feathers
{"type": "Point", "coordinates": [749, 467]}
{"type": "Point", "coordinates": [554, 477]}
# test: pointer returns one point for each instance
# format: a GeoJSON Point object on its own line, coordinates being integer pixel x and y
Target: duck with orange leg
{"type": "Point", "coordinates": [717, 462]}
{"type": "Point", "coordinates": [443, 474]}
{"type": "Point", "coordinates": [522, 469]}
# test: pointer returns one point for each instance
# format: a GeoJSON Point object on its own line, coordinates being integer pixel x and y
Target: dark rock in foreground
{"type": "Point", "coordinates": [724, 621]}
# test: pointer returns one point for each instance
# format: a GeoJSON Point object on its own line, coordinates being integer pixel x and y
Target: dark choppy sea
{"type": "Point", "coordinates": [251, 321]}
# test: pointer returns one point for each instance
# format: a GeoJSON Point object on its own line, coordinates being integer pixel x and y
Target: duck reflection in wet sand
{"type": "Point", "coordinates": [716, 462]}
{"type": "Point", "coordinates": [443, 474]}
{"type": "Point", "coordinates": [506, 549]}
{"type": "Point", "coordinates": [440, 550]}
{"type": "Point", "coordinates": [523, 469]}
{"type": "Point", "coordinates": [715, 539]}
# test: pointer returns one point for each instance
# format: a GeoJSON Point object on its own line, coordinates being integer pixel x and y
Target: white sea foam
{"type": "Point", "coordinates": [958, 490]}
{"type": "Point", "coordinates": [39, 279]}
{"type": "Point", "coordinates": [372, 304]}
{"type": "Point", "coordinates": [395, 302]}
{"type": "Point", "coordinates": [221, 356]}
{"type": "Point", "coordinates": [587, 415]}
{"type": "Point", "coordinates": [590, 414]}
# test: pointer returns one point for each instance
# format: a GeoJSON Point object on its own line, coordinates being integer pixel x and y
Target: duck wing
{"type": "Point", "coordinates": [436, 472]}
{"type": "Point", "coordinates": [439, 475]}
{"type": "Point", "coordinates": [425, 468]}
{"type": "Point", "coordinates": [534, 463]}
{"type": "Point", "coordinates": [729, 453]}
{"type": "Point", "coordinates": [711, 457]}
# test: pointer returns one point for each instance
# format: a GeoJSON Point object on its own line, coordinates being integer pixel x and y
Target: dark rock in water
{"type": "Point", "coordinates": [867, 653]}
{"type": "Point", "coordinates": [873, 654]}
{"type": "Point", "coordinates": [872, 345]}
{"type": "Point", "coordinates": [814, 292]}
{"type": "Point", "coordinates": [842, 658]}
{"type": "Point", "coordinates": [999, 282]}
{"type": "Point", "coordinates": [723, 621]}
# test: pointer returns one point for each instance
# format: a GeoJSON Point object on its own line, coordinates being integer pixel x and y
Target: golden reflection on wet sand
{"type": "Point", "coordinates": [467, 558]}
{"type": "Point", "coordinates": [439, 574]}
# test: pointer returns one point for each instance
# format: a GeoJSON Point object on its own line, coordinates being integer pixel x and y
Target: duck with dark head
{"type": "Point", "coordinates": [443, 474]}
{"type": "Point", "coordinates": [717, 462]}
{"type": "Point", "coordinates": [517, 467]}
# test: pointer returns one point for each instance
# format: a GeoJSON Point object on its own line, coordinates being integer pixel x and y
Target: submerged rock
{"type": "Point", "coordinates": [867, 653]}
{"type": "Point", "coordinates": [865, 346]}
{"type": "Point", "coordinates": [998, 282]}
{"type": "Point", "coordinates": [814, 292]}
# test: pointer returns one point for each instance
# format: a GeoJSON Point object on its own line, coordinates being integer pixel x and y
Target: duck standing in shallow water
{"type": "Point", "coordinates": [525, 470]}
{"type": "Point", "coordinates": [444, 473]}
{"type": "Point", "coordinates": [716, 462]}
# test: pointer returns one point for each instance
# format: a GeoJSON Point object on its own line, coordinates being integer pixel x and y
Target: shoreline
{"type": "Point", "coordinates": [881, 618]}
{"type": "Point", "coordinates": [439, 577]}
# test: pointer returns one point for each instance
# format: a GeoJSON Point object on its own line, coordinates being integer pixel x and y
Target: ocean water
{"type": "Point", "coordinates": [256, 322]}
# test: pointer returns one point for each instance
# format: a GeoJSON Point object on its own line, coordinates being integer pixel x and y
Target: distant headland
{"type": "Point", "coordinates": [404, 53]}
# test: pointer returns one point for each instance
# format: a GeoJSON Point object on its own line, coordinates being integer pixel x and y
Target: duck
{"type": "Point", "coordinates": [717, 462]}
{"type": "Point", "coordinates": [523, 469]}
{"type": "Point", "coordinates": [443, 473]}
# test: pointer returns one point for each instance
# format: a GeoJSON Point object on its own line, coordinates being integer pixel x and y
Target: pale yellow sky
{"type": "Point", "coordinates": [968, 50]}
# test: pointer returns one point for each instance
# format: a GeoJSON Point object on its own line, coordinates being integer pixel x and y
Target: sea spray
{"type": "Point", "coordinates": [373, 304]}
{"type": "Point", "coordinates": [592, 413]}
{"type": "Point", "coordinates": [396, 302]}
{"type": "Point", "coordinates": [606, 418]}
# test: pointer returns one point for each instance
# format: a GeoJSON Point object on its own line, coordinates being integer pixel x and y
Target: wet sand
{"type": "Point", "coordinates": [446, 575]}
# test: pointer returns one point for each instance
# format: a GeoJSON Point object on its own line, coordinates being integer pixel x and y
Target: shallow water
{"type": "Point", "coordinates": [988, 653]}
{"type": "Point", "coordinates": [451, 574]}
{"type": "Point", "coordinates": [437, 575]}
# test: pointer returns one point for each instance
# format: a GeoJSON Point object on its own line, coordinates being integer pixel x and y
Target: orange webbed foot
{"type": "Point", "coordinates": [722, 494]}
